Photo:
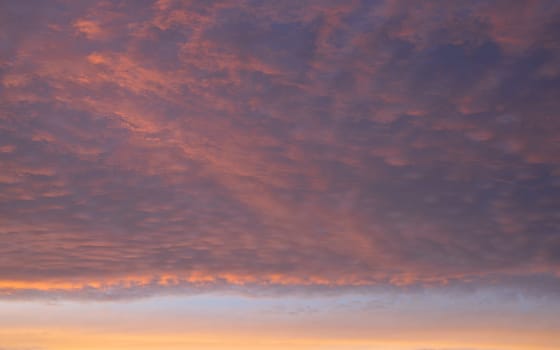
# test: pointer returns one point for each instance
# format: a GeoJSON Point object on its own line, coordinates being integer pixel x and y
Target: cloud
{"type": "Point", "coordinates": [146, 146]}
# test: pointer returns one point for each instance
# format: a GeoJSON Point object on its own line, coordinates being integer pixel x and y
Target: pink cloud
{"type": "Point", "coordinates": [322, 144]}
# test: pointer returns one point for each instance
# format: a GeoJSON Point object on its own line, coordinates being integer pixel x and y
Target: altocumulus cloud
{"type": "Point", "coordinates": [147, 147]}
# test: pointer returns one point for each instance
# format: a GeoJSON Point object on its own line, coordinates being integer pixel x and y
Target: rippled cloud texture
{"type": "Point", "coordinates": [176, 146]}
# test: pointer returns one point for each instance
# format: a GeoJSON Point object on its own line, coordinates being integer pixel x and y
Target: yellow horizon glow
{"type": "Point", "coordinates": [71, 339]}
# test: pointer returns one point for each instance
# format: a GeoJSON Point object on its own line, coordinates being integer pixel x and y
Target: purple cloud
{"type": "Point", "coordinates": [162, 144]}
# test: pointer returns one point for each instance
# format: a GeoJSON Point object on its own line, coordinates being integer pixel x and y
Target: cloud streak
{"type": "Point", "coordinates": [162, 144]}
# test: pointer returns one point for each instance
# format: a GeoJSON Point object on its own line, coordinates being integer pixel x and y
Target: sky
{"type": "Point", "coordinates": [310, 174]}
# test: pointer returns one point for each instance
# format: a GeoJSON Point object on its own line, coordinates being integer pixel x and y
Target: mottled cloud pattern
{"type": "Point", "coordinates": [155, 145]}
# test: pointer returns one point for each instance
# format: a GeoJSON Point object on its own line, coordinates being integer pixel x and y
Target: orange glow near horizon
{"type": "Point", "coordinates": [67, 339]}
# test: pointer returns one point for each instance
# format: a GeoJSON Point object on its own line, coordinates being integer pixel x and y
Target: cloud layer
{"type": "Point", "coordinates": [308, 143]}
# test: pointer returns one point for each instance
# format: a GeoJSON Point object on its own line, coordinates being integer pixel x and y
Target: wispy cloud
{"type": "Point", "coordinates": [320, 144]}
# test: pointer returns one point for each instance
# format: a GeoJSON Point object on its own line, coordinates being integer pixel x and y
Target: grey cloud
{"type": "Point", "coordinates": [317, 146]}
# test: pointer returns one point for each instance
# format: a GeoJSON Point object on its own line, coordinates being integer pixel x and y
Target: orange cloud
{"type": "Point", "coordinates": [375, 144]}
